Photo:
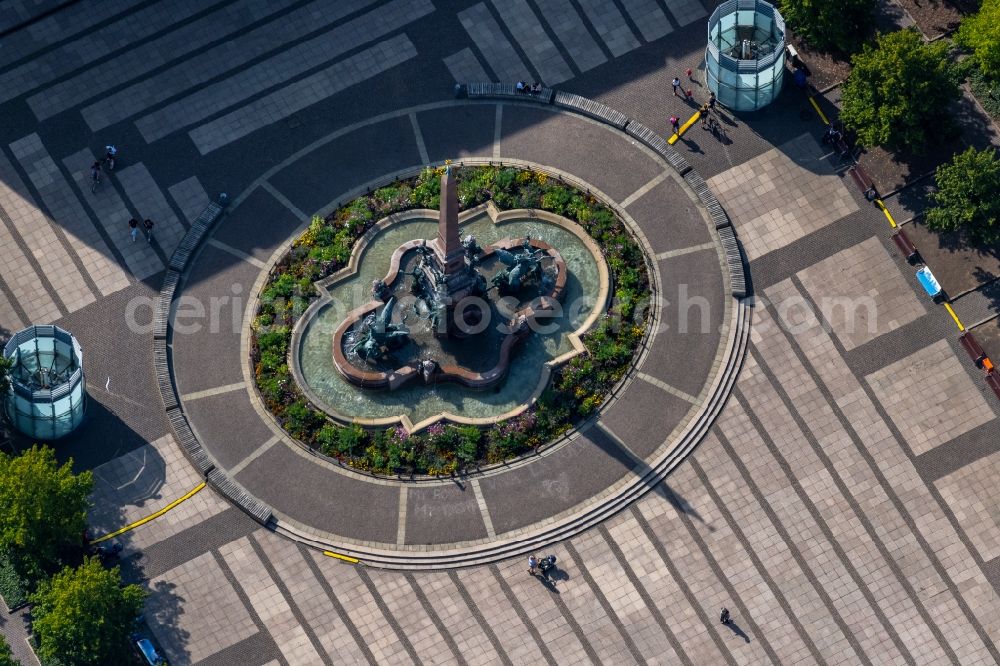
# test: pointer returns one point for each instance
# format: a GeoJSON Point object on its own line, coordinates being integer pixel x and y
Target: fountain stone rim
{"type": "Point", "coordinates": [498, 218]}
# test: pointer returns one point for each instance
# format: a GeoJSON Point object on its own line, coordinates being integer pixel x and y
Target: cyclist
{"type": "Point", "coordinates": [95, 174]}
{"type": "Point", "coordinates": [110, 153]}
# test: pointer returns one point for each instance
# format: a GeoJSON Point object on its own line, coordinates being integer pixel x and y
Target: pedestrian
{"type": "Point", "coordinates": [676, 83]}
{"type": "Point", "coordinates": [147, 224]}
{"type": "Point", "coordinates": [703, 110]}
{"type": "Point", "coordinates": [532, 565]}
{"type": "Point", "coordinates": [689, 95]}
{"type": "Point", "coordinates": [675, 122]}
{"type": "Point", "coordinates": [711, 101]}
{"type": "Point", "coordinates": [133, 224]}
{"type": "Point", "coordinates": [689, 75]}
{"type": "Point", "coordinates": [724, 616]}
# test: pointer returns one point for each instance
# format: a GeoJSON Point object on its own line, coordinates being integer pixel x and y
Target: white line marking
{"type": "Point", "coordinates": [253, 455]}
{"type": "Point", "coordinates": [283, 200]}
{"type": "Point", "coordinates": [208, 393]}
{"type": "Point", "coordinates": [401, 525]}
{"type": "Point", "coordinates": [483, 509]}
{"type": "Point", "coordinates": [498, 123]}
{"type": "Point", "coordinates": [631, 199]}
{"type": "Point", "coordinates": [685, 250]}
{"type": "Point", "coordinates": [676, 392]}
{"type": "Point", "coordinates": [421, 146]}
{"type": "Point", "coordinates": [225, 247]}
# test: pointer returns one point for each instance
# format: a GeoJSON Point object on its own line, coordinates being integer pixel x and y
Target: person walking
{"type": "Point", "coordinates": [676, 83]}
{"type": "Point", "coordinates": [675, 122]}
{"type": "Point", "coordinates": [133, 225]}
{"type": "Point", "coordinates": [711, 101]}
{"type": "Point", "coordinates": [703, 110]}
{"type": "Point", "coordinates": [532, 565]}
{"type": "Point", "coordinates": [724, 616]}
{"type": "Point", "coordinates": [147, 224]}
{"type": "Point", "coordinates": [690, 74]}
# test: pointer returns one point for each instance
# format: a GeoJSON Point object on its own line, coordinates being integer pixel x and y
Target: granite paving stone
{"type": "Point", "coordinates": [860, 294]}
{"type": "Point", "coordinates": [68, 215]}
{"type": "Point", "coordinates": [971, 493]}
{"type": "Point", "coordinates": [281, 68]}
{"type": "Point", "coordinates": [489, 39]}
{"type": "Point", "coordinates": [782, 195]}
{"type": "Point", "coordinates": [930, 397]}
{"type": "Point", "coordinates": [563, 142]}
{"type": "Point", "coordinates": [269, 603]}
{"type": "Point", "coordinates": [454, 133]}
{"type": "Point", "coordinates": [221, 58]}
{"type": "Point", "coordinates": [222, 619]}
{"type": "Point", "coordinates": [531, 36]}
{"type": "Point", "coordinates": [563, 19]}
{"type": "Point", "coordinates": [610, 25]}
{"type": "Point", "coordinates": [359, 604]}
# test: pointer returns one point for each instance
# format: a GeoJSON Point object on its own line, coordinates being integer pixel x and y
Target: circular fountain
{"type": "Point", "coordinates": [494, 311]}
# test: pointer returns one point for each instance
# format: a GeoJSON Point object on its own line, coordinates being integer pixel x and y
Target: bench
{"type": "Point", "coordinates": [506, 91]}
{"type": "Point", "coordinates": [972, 348]}
{"type": "Point", "coordinates": [905, 246]}
{"type": "Point", "coordinates": [863, 180]}
{"type": "Point", "coordinates": [993, 381]}
{"type": "Point", "coordinates": [589, 107]}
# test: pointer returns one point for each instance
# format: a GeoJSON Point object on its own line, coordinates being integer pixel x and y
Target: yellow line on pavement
{"type": "Point", "coordinates": [947, 306]}
{"type": "Point", "coordinates": [691, 121]}
{"type": "Point", "coordinates": [888, 215]}
{"type": "Point", "coordinates": [143, 521]}
{"type": "Point", "coordinates": [819, 110]}
{"type": "Point", "coordinates": [338, 556]}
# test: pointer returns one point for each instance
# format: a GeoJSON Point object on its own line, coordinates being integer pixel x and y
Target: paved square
{"type": "Point", "coordinates": [973, 494]}
{"type": "Point", "coordinates": [221, 620]}
{"type": "Point", "coordinates": [930, 397]}
{"type": "Point", "coordinates": [859, 293]}
{"type": "Point", "coordinates": [785, 194]}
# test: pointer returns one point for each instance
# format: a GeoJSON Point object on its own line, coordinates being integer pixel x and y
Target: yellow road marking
{"type": "Point", "coordinates": [143, 521]}
{"type": "Point", "coordinates": [819, 110]}
{"type": "Point", "coordinates": [888, 215]}
{"type": "Point", "coordinates": [346, 558]}
{"type": "Point", "coordinates": [947, 306]}
{"type": "Point", "coordinates": [691, 121]}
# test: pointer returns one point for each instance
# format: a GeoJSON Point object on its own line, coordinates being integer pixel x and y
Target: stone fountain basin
{"type": "Point", "coordinates": [525, 317]}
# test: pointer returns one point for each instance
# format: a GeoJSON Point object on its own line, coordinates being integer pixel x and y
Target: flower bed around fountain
{"type": "Point", "coordinates": [575, 391]}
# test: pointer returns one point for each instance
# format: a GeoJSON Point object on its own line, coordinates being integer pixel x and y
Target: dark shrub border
{"type": "Point", "coordinates": [576, 389]}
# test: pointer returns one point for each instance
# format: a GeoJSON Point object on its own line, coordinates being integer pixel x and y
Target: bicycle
{"type": "Point", "coordinates": [95, 177]}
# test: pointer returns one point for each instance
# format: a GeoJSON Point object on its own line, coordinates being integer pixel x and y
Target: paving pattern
{"type": "Point", "coordinates": [843, 506]}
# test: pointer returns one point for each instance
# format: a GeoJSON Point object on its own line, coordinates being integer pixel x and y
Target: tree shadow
{"type": "Point", "coordinates": [163, 612]}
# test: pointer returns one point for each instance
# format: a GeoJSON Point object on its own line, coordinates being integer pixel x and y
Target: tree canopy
{"type": "Point", "coordinates": [44, 508]}
{"type": "Point", "coordinates": [967, 197]}
{"type": "Point", "coordinates": [84, 615]}
{"type": "Point", "coordinates": [898, 92]}
{"type": "Point", "coordinates": [841, 26]}
{"type": "Point", "coordinates": [6, 658]}
{"type": "Point", "coordinates": [980, 33]}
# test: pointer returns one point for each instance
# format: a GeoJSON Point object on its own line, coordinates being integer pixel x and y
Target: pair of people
{"type": "Point", "coordinates": [147, 226]}
{"type": "Point", "coordinates": [523, 87]}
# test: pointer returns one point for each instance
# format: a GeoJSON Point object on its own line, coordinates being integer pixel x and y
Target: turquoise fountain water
{"type": "Point", "coordinates": [418, 401]}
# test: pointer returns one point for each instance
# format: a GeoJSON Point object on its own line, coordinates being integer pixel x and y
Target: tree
{"type": "Point", "coordinates": [6, 658]}
{"type": "Point", "coordinates": [839, 25]}
{"type": "Point", "coordinates": [5, 365]}
{"type": "Point", "coordinates": [898, 92]}
{"type": "Point", "coordinates": [967, 199]}
{"type": "Point", "coordinates": [84, 615]}
{"type": "Point", "coordinates": [981, 34]}
{"type": "Point", "coordinates": [44, 508]}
